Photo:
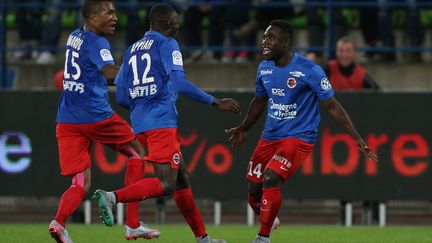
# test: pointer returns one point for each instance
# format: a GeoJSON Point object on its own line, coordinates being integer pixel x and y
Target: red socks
{"type": "Point", "coordinates": [255, 203]}
{"type": "Point", "coordinates": [69, 202]}
{"type": "Point", "coordinates": [134, 172]}
{"type": "Point", "coordinates": [270, 204]}
{"type": "Point", "coordinates": [186, 204]}
{"type": "Point", "coordinates": [144, 188]}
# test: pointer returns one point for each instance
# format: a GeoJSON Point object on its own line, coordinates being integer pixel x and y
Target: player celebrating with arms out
{"type": "Point", "coordinates": [290, 86]}
{"type": "Point", "coordinates": [148, 82]}
{"type": "Point", "coordinates": [84, 114]}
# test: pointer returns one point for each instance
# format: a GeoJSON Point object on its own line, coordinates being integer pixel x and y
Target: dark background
{"type": "Point", "coordinates": [401, 121]}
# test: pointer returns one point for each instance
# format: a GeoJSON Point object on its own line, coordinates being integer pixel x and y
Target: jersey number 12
{"type": "Point", "coordinates": [133, 63]}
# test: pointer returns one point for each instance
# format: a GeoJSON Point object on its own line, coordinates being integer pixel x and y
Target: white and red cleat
{"type": "Point", "coordinates": [141, 232]}
{"type": "Point", "coordinates": [276, 224]}
{"type": "Point", "coordinates": [59, 233]}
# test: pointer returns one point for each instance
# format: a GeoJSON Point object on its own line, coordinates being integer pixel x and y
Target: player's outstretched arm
{"type": "Point", "coordinates": [110, 72]}
{"type": "Point", "coordinates": [238, 134]}
{"type": "Point", "coordinates": [227, 104]}
{"type": "Point", "coordinates": [340, 115]}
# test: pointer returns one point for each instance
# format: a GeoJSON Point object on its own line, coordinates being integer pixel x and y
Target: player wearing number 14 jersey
{"type": "Point", "coordinates": [290, 86]}
{"type": "Point", "coordinates": [85, 116]}
{"type": "Point", "coordinates": [148, 82]}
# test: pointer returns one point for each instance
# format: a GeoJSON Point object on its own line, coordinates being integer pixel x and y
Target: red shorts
{"type": "Point", "coordinates": [74, 141]}
{"type": "Point", "coordinates": [163, 146]}
{"type": "Point", "coordinates": [282, 156]}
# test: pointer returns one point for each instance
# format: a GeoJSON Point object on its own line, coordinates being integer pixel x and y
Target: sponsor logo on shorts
{"type": "Point", "coordinates": [176, 158]}
{"type": "Point", "coordinates": [285, 163]}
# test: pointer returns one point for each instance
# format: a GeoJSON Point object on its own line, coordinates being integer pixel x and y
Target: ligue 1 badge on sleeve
{"type": "Point", "coordinates": [325, 84]}
{"type": "Point", "coordinates": [291, 83]}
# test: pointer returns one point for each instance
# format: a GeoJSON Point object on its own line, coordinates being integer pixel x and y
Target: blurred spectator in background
{"type": "Point", "coordinates": [135, 26]}
{"type": "Point", "coordinates": [29, 25]}
{"type": "Point", "coordinates": [237, 14]}
{"type": "Point", "coordinates": [317, 29]}
{"type": "Point", "coordinates": [263, 15]}
{"type": "Point", "coordinates": [193, 17]}
{"type": "Point", "coordinates": [52, 32]}
{"type": "Point", "coordinates": [415, 32]}
{"type": "Point", "coordinates": [369, 29]}
{"type": "Point", "coordinates": [344, 73]}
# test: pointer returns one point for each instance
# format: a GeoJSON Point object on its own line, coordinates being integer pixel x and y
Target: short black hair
{"type": "Point", "coordinates": [161, 12]}
{"type": "Point", "coordinates": [284, 26]}
{"type": "Point", "coordinates": [90, 7]}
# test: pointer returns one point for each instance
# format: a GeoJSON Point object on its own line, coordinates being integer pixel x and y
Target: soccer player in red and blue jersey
{"type": "Point", "coordinates": [290, 86]}
{"type": "Point", "coordinates": [148, 82]}
{"type": "Point", "coordinates": [84, 114]}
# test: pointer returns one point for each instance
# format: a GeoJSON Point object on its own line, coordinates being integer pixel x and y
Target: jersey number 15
{"type": "Point", "coordinates": [75, 65]}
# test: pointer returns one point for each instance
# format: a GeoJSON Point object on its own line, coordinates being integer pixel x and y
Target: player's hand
{"type": "Point", "coordinates": [227, 104]}
{"type": "Point", "coordinates": [366, 150]}
{"type": "Point", "coordinates": [237, 137]}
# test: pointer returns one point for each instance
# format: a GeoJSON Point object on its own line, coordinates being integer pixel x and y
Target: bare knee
{"type": "Point", "coordinates": [167, 177]}
{"type": "Point", "coordinates": [272, 179]}
{"type": "Point", "coordinates": [255, 189]}
{"type": "Point", "coordinates": [133, 150]}
{"type": "Point", "coordinates": [82, 179]}
{"type": "Point", "coordinates": [168, 186]}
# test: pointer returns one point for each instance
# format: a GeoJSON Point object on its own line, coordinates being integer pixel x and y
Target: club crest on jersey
{"type": "Point", "coordinates": [176, 158]}
{"type": "Point", "coordinates": [325, 84]}
{"type": "Point", "coordinates": [291, 83]}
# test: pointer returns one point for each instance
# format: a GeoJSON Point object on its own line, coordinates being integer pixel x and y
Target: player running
{"type": "Point", "coordinates": [290, 86]}
{"type": "Point", "coordinates": [148, 82]}
{"type": "Point", "coordinates": [85, 116]}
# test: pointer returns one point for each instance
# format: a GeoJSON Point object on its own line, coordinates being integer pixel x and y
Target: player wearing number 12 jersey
{"type": "Point", "coordinates": [148, 82]}
{"type": "Point", "coordinates": [290, 86]}
{"type": "Point", "coordinates": [84, 114]}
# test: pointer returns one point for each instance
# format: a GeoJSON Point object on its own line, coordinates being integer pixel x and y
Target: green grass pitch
{"type": "Point", "coordinates": [35, 233]}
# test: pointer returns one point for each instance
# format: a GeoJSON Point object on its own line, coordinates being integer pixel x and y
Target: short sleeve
{"type": "Point", "coordinates": [99, 53]}
{"type": "Point", "coordinates": [120, 79]}
{"type": "Point", "coordinates": [259, 86]}
{"type": "Point", "coordinates": [320, 84]}
{"type": "Point", "coordinates": [171, 56]}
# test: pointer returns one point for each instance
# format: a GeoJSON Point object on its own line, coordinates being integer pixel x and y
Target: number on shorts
{"type": "Point", "coordinates": [256, 170]}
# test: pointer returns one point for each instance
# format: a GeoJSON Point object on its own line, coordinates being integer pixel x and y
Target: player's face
{"type": "Point", "coordinates": [173, 25]}
{"type": "Point", "coordinates": [274, 44]}
{"type": "Point", "coordinates": [345, 53]}
{"type": "Point", "coordinates": [105, 20]}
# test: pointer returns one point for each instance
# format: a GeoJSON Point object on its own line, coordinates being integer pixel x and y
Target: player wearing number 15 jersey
{"type": "Point", "coordinates": [84, 114]}
{"type": "Point", "coordinates": [290, 86]}
{"type": "Point", "coordinates": [148, 82]}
